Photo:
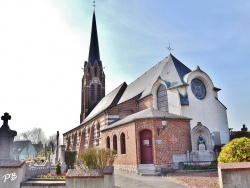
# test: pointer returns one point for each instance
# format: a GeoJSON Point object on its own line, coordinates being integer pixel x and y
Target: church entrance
{"type": "Point", "coordinates": [146, 147]}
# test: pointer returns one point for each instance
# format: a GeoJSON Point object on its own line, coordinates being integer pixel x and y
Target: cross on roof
{"type": "Point", "coordinates": [94, 4]}
{"type": "Point", "coordinates": [5, 118]}
{"type": "Point", "coordinates": [169, 48]}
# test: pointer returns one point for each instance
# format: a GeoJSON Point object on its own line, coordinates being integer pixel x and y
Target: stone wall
{"type": "Point", "coordinates": [209, 111]}
{"type": "Point", "coordinates": [232, 175]}
{"type": "Point", "coordinates": [33, 171]}
{"type": "Point", "coordinates": [12, 173]}
{"type": "Point", "coordinates": [90, 178]}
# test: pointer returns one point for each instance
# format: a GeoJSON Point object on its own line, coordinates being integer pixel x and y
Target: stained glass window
{"type": "Point", "coordinates": [198, 89]}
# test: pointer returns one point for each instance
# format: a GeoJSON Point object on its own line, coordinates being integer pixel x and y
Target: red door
{"type": "Point", "coordinates": [146, 147]}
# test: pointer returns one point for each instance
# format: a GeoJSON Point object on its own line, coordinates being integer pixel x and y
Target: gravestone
{"type": "Point", "coordinates": [201, 144]}
{"type": "Point", "coordinates": [6, 138]}
{"type": "Point", "coordinates": [12, 172]}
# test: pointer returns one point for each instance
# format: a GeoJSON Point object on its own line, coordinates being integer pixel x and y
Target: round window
{"type": "Point", "coordinates": [198, 89]}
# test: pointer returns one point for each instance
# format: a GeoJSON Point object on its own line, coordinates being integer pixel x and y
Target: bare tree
{"type": "Point", "coordinates": [52, 140]}
{"type": "Point", "coordinates": [18, 137]}
{"type": "Point", "coordinates": [36, 135]}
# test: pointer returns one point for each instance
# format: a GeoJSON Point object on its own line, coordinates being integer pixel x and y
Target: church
{"type": "Point", "coordinates": [155, 120]}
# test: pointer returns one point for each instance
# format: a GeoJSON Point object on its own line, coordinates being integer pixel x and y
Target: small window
{"type": "Point", "coordinates": [98, 92]}
{"type": "Point", "coordinates": [92, 92]}
{"type": "Point", "coordinates": [108, 142]}
{"type": "Point", "coordinates": [115, 142]}
{"type": "Point", "coordinates": [123, 143]}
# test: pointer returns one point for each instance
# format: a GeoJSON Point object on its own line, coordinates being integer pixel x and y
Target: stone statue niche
{"type": "Point", "coordinates": [201, 144]}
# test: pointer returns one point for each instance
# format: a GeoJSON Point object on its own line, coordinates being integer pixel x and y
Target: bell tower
{"type": "Point", "coordinates": [93, 80]}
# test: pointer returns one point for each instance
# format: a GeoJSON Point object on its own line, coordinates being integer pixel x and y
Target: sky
{"type": "Point", "coordinates": [44, 43]}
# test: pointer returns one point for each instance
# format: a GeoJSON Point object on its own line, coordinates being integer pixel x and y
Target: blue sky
{"type": "Point", "coordinates": [44, 43]}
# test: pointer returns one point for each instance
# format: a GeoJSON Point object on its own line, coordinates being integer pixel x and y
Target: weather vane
{"type": "Point", "coordinates": [94, 4]}
{"type": "Point", "coordinates": [169, 48]}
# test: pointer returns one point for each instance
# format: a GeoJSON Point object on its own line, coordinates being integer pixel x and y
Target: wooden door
{"type": "Point", "coordinates": [146, 147]}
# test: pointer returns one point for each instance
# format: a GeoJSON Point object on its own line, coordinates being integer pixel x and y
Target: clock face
{"type": "Point", "coordinates": [95, 80]}
{"type": "Point", "coordinates": [198, 89]}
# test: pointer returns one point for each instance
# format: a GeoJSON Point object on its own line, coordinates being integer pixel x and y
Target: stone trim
{"type": "Point", "coordinates": [238, 166]}
{"type": "Point", "coordinates": [11, 163]}
{"type": "Point", "coordinates": [85, 173]}
{"type": "Point", "coordinates": [49, 183]}
{"type": "Point", "coordinates": [108, 170]}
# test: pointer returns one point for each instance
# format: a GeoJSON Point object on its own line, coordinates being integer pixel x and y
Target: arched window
{"type": "Point", "coordinates": [68, 145]}
{"type": "Point", "coordinates": [97, 134]}
{"type": "Point", "coordinates": [162, 98]}
{"type": "Point", "coordinates": [98, 92]}
{"type": "Point", "coordinates": [108, 142]}
{"type": "Point", "coordinates": [123, 143]}
{"type": "Point", "coordinates": [115, 142]}
{"type": "Point", "coordinates": [75, 141]}
{"type": "Point", "coordinates": [98, 130]}
{"type": "Point", "coordinates": [92, 92]}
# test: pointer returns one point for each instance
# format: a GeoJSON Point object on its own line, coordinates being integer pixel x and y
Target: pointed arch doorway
{"type": "Point", "coordinates": [146, 147]}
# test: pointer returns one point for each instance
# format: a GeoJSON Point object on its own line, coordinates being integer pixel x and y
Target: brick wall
{"type": "Point", "coordinates": [175, 139]}
{"type": "Point", "coordinates": [128, 106]}
{"type": "Point", "coordinates": [129, 130]}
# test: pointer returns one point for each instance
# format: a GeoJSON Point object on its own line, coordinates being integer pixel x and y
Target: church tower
{"type": "Point", "coordinates": [93, 81]}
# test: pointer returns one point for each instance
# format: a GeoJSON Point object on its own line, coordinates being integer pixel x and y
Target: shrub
{"type": "Point", "coordinates": [58, 168]}
{"type": "Point", "coordinates": [97, 158]}
{"type": "Point", "coordinates": [70, 159]}
{"type": "Point", "coordinates": [201, 166]}
{"type": "Point", "coordinates": [237, 150]}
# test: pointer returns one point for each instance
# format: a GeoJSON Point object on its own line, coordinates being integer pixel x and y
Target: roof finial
{"type": "Point", "coordinates": [94, 5]}
{"type": "Point", "coordinates": [169, 48]}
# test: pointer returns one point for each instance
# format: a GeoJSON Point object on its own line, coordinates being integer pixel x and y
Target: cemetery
{"type": "Point", "coordinates": [17, 173]}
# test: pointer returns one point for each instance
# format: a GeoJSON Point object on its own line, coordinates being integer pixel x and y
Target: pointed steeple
{"type": "Point", "coordinates": [94, 54]}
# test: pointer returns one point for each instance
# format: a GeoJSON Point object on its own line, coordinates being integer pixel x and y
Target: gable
{"type": "Point", "coordinates": [170, 70]}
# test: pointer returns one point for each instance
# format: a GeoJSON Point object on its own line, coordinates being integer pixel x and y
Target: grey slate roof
{"type": "Point", "coordinates": [170, 70]}
{"type": "Point", "coordinates": [94, 53]}
{"type": "Point", "coordinates": [145, 114]}
{"type": "Point", "coordinates": [18, 146]}
{"type": "Point", "coordinates": [108, 101]}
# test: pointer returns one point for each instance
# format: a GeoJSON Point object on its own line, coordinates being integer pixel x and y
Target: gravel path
{"type": "Point", "coordinates": [195, 179]}
{"type": "Point", "coordinates": [132, 180]}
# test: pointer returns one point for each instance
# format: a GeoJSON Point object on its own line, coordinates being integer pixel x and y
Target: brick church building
{"type": "Point", "coordinates": [148, 121]}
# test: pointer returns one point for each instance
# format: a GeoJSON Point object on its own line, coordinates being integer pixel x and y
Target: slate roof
{"type": "Point", "coordinates": [170, 70]}
{"type": "Point", "coordinates": [18, 146]}
{"type": "Point", "coordinates": [145, 114]}
{"type": "Point", "coordinates": [38, 147]}
{"type": "Point", "coordinates": [108, 101]}
{"type": "Point", "coordinates": [94, 53]}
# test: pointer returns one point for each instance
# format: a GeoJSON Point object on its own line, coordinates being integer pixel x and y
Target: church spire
{"type": "Point", "coordinates": [94, 54]}
{"type": "Point", "coordinates": [93, 81]}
